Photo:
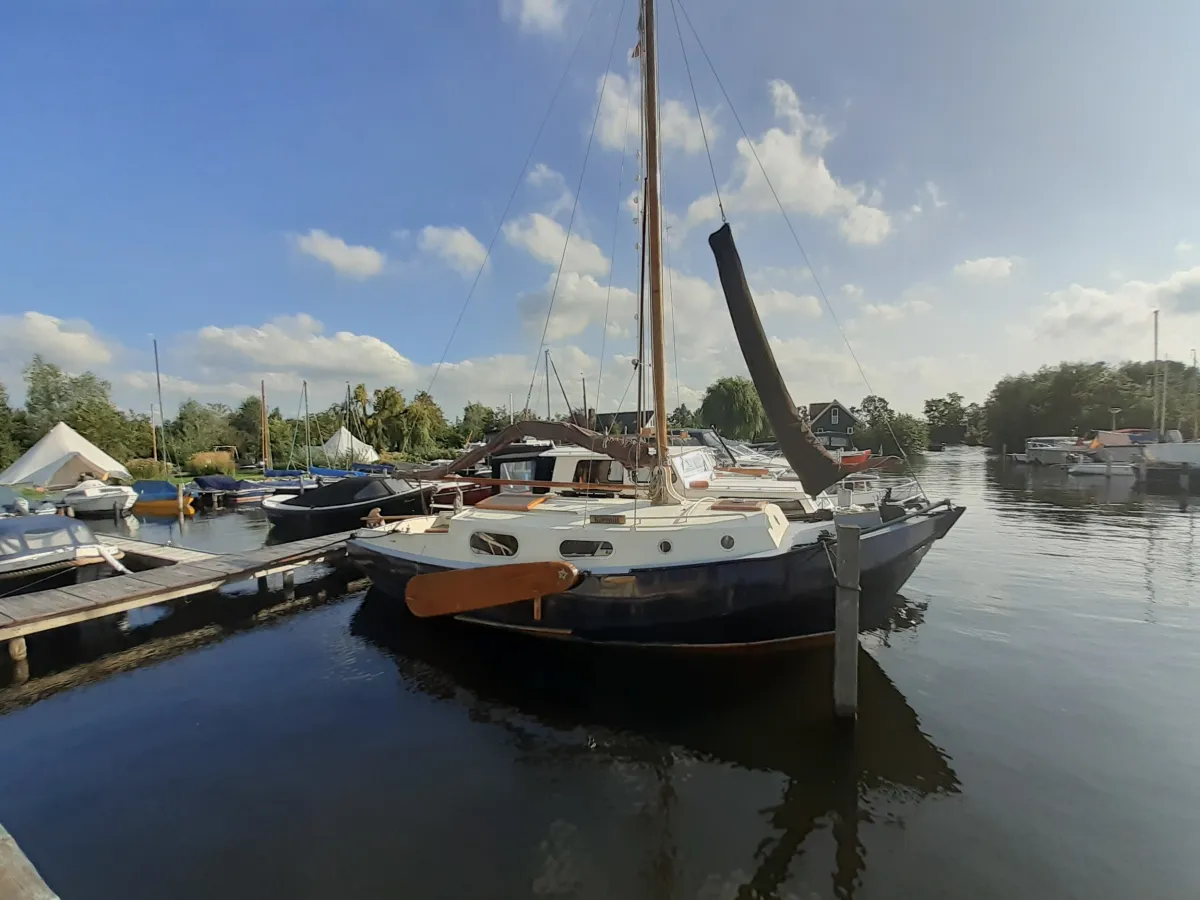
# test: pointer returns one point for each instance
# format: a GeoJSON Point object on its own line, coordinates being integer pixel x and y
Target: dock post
{"type": "Point", "coordinates": [263, 587]}
{"type": "Point", "coordinates": [289, 583]}
{"type": "Point", "coordinates": [1184, 478]}
{"type": "Point", "coordinates": [1107, 466]}
{"type": "Point", "coordinates": [17, 650]}
{"type": "Point", "coordinates": [117, 511]}
{"type": "Point", "coordinates": [179, 496]}
{"type": "Point", "coordinates": [1004, 456]}
{"type": "Point", "coordinates": [845, 629]}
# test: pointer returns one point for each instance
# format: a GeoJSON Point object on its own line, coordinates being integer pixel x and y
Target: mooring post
{"type": "Point", "coordinates": [179, 496]}
{"type": "Point", "coordinates": [1003, 456]}
{"type": "Point", "coordinates": [1185, 480]}
{"type": "Point", "coordinates": [845, 628]}
{"type": "Point", "coordinates": [17, 650]}
{"type": "Point", "coordinates": [1107, 466]}
{"type": "Point", "coordinates": [262, 584]}
{"type": "Point", "coordinates": [117, 511]}
{"type": "Point", "coordinates": [289, 583]}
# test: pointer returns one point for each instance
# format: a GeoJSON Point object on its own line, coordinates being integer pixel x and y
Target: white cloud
{"type": "Point", "coordinates": [71, 344]}
{"type": "Point", "coordinates": [774, 302]}
{"type": "Point", "coordinates": [298, 343]}
{"type": "Point", "coordinates": [457, 247]}
{"type": "Point", "coordinates": [542, 176]}
{"type": "Point", "coordinates": [852, 291]}
{"type": "Point", "coordinates": [791, 156]}
{"type": "Point", "coordinates": [354, 261]}
{"type": "Point", "coordinates": [934, 195]}
{"type": "Point", "coordinates": [985, 268]}
{"type": "Point", "coordinates": [543, 238]}
{"type": "Point", "coordinates": [544, 16]}
{"type": "Point", "coordinates": [580, 301]}
{"type": "Point", "coordinates": [619, 125]}
{"type": "Point", "coordinates": [1184, 247]}
{"type": "Point", "coordinates": [913, 301]}
{"type": "Point", "coordinates": [1112, 314]}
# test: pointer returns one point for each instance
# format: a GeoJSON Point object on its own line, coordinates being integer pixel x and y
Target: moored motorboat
{"type": "Point", "coordinates": [95, 499]}
{"type": "Point", "coordinates": [162, 498]}
{"type": "Point", "coordinates": [345, 504]}
{"type": "Point", "coordinates": [50, 551]}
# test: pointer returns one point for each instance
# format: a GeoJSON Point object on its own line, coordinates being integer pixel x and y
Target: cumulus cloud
{"type": "Point", "coordinates": [914, 301]}
{"type": "Point", "coordinates": [543, 238]}
{"type": "Point", "coordinates": [619, 125]}
{"type": "Point", "coordinates": [985, 268]}
{"type": "Point", "coordinates": [1184, 247]}
{"type": "Point", "coordinates": [539, 16]}
{"type": "Point", "coordinates": [457, 247]}
{"type": "Point", "coordinates": [1113, 313]}
{"type": "Point", "coordinates": [791, 154]}
{"type": "Point", "coordinates": [353, 261]}
{"type": "Point", "coordinates": [71, 344]}
{"type": "Point", "coordinates": [580, 302]}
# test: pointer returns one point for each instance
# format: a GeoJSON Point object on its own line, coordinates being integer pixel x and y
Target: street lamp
{"type": "Point", "coordinates": [1112, 411]}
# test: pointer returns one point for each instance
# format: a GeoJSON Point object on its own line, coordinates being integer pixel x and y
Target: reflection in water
{"type": "Point", "coordinates": [770, 715]}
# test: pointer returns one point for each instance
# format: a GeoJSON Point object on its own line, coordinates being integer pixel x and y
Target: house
{"type": "Point", "coordinates": [833, 424]}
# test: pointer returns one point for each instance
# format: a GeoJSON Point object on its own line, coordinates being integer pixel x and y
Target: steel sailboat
{"type": "Point", "coordinates": [672, 572]}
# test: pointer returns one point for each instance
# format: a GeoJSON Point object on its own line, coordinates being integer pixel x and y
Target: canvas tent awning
{"type": "Point", "coordinates": [60, 458]}
{"type": "Point", "coordinates": [344, 446]}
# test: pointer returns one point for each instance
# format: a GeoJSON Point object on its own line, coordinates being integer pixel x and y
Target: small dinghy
{"type": "Point", "coordinates": [344, 504]}
{"type": "Point", "coordinates": [161, 498]}
{"type": "Point", "coordinates": [42, 552]}
{"type": "Point", "coordinates": [95, 499]}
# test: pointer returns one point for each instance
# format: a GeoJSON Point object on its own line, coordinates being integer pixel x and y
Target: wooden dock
{"type": "Point", "coordinates": [172, 573]}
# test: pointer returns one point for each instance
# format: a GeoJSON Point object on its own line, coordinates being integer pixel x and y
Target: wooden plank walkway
{"type": "Point", "coordinates": [181, 573]}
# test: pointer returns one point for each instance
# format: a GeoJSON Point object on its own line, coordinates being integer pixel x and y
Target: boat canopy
{"type": "Point", "coordinates": [349, 490]}
{"type": "Point", "coordinates": [34, 534]}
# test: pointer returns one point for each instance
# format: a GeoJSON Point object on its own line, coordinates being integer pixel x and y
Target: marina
{"type": "Point", "coordinates": [744, 782]}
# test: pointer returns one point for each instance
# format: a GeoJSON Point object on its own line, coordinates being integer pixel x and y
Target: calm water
{"type": "Point", "coordinates": [1030, 727]}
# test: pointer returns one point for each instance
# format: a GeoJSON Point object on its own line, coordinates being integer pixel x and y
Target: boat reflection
{"type": "Point", "coordinates": [766, 714]}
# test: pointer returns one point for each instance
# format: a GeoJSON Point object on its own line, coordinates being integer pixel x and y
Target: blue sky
{"type": "Point", "coordinates": [283, 191]}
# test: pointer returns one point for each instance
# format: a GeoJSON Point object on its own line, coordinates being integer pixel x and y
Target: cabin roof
{"type": "Point", "coordinates": [816, 410]}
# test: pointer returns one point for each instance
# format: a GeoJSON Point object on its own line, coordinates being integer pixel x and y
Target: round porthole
{"type": "Point", "coordinates": [727, 542]}
{"type": "Point", "coordinates": [664, 546]}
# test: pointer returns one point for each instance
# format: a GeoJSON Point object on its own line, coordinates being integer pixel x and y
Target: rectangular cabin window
{"type": "Point", "coordinates": [49, 539]}
{"type": "Point", "coordinates": [517, 471]}
{"type": "Point", "coordinates": [10, 546]}
{"type": "Point", "coordinates": [577, 549]}
{"type": "Point", "coordinates": [833, 416]}
{"type": "Point", "coordinates": [598, 471]}
{"type": "Point", "coordinates": [490, 544]}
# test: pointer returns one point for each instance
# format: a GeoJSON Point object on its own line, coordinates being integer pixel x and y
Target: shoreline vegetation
{"type": "Point", "coordinates": [1068, 398]}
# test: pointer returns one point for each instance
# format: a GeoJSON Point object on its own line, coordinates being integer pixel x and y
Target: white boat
{"type": "Point", "coordinates": [658, 569]}
{"type": "Point", "coordinates": [1053, 451]}
{"type": "Point", "coordinates": [1173, 453]}
{"type": "Point", "coordinates": [1112, 470]}
{"type": "Point", "coordinates": [95, 499]}
{"type": "Point", "coordinates": [51, 551]}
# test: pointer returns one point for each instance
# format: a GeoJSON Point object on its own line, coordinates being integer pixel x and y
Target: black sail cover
{"type": "Point", "coordinates": [812, 464]}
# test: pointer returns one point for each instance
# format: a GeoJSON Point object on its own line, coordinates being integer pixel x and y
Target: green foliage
{"type": "Point", "coordinates": [211, 463]}
{"type": "Point", "coordinates": [731, 405]}
{"type": "Point", "coordinates": [1074, 398]}
{"type": "Point", "coordinates": [9, 448]}
{"type": "Point", "coordinates": [907, 433]}
{"type": "Point", "coordinates": [947, 419]}
{"type": "Point", "coordinates": [148, 469]}
{"type": "Point", "coordinates": [683, 417]}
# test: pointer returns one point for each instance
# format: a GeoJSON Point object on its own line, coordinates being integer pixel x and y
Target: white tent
{"type": "Point", "coordinates": [59, 458]}
{"type": "Point", "coordinates": [344, 446]}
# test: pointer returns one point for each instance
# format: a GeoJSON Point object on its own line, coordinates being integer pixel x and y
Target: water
{"type": "Point", "coordinates": [1028, 728]}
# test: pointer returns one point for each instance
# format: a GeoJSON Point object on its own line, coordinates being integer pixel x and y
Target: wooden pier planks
{"type": "Point", "coordinates": [180, 573]}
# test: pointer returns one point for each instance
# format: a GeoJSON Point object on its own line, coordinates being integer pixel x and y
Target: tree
{"type": "Point", "coordinates": [683, 417]}
{"type": "Point", "coordinates": [732, 406]}
{"type": "Point", "coordinates": [478, 420]}
{"type": "Point", "coordinates": [947, 418]}
{"type": "Point", "coordinates": [889, 433]}
{"type": "Point", "coordinates": [9, 449]}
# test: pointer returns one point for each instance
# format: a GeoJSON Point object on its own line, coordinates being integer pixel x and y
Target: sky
{"type": "Point", "coordinates": [289, 191]}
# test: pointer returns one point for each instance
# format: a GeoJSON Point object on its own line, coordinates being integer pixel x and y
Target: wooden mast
{"type": "Point", "coordinates": [661, 493]}
{"type": "Point", "coordinates": [266, 428]}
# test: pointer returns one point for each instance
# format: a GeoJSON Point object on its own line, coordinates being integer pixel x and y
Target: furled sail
{"type": "Point", "coordinates": [815, 468]}
{"type": "Point", "coordinates": [629, 451]}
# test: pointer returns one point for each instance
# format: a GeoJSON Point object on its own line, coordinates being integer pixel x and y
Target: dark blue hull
{"type": "Point", "coordinates": [747, 600]}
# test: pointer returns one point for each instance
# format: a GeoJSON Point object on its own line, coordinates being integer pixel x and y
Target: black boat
{"type": "Point", "coordinates": [45, 552]}
{"type": "Point", "coordinates": [344, 504]}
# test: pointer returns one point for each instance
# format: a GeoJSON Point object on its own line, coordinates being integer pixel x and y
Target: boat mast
{"type": "Point", "coordinates": [548, 416]}
{"type": "Point", "coordinates": [265, 428]}
{"type": "Point", "coordinates": [661, 493]}
{"type": "Point", "coordinates": [154, 435]}
{"type": "Point", "coordinates": [1154, 392]}
{"type": "Point", "coordinates": [1195, 400]}
{"type": "Point", "coordinates": [162, 411]}
{"type": "Point", "coordinates": [307, 435]}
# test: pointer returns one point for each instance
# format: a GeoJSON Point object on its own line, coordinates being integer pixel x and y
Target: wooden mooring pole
{"type": "Point", "coordinates": [845, 628]}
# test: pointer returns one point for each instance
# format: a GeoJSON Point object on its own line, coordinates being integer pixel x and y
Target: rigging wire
{"type": "Point", "coordinates": [695, 99]}
{"type": "Point", "coordinates": [575, 205]}
{"type": "Point", "coordinates": [671, 312]}
{"type": "Point", "coordinates": [613, 251]}
{"type": "Point", "coordinates": [795, 237]}
{"type": "Point", "coordinates": [562, 79]}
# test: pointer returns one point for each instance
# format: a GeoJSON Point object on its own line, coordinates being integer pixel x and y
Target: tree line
{"type": "Point", "coordinates": [1070, 398]}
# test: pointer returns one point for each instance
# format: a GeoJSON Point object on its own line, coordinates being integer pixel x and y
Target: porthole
{"type": "Point", "coordinates": [490, 544]}
{"type": "Point", "coordinates": [576, 549]}
{"type": "Point", "coordinates": [727, 542]}
{"type": "Point", "coordinates": [664, 546]}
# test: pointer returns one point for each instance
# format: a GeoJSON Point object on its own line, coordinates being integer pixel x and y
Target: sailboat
{"type": "Point", "coordinates": [702, 573]}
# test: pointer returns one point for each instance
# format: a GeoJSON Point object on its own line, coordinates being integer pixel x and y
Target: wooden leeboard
{"type": "Point", "coordinates": [464, 590]}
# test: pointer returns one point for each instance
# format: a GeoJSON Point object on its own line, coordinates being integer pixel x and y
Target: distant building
{"type": "Point", "coordinates": [626, 422]}
{"type": "Point", "coordinates": [833, 424]}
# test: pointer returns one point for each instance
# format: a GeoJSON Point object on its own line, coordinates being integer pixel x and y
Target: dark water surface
{"type": "Point", "coordinates": [1030, 727]}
